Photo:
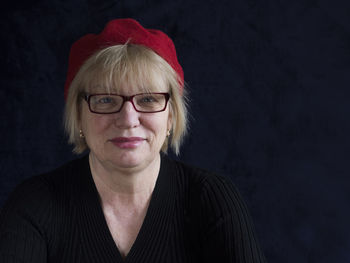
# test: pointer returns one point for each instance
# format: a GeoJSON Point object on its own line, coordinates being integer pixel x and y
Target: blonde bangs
{"type": "Point", "coordinates": [122, 65]}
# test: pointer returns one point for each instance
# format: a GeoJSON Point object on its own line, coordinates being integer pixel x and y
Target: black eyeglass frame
{"type": "Point", "coordinates": [87, 97]}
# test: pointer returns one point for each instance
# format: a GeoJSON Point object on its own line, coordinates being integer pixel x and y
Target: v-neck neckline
{"type": "Point", "coordinates": [96, 239]}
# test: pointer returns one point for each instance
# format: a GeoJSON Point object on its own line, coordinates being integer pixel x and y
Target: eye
{"type": "Point", "coordinates": [147, 99]}
{"type": "Point", "coordinates": [104, 100]}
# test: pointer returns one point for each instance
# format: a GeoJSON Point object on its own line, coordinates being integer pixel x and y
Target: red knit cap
{"type": "Point", "coordinates": [118, 32]}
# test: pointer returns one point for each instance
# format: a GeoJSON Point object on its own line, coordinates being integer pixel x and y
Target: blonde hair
{"type": "Point", "coordinates": [136, 65]}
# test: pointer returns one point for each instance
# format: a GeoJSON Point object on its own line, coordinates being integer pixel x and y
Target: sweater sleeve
{"type": "Point", "coordinates": [22, 235]}
{"type": "Point", "coordinates": [227, 231]}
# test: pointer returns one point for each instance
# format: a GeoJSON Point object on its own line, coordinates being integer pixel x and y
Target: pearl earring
{"type": "Point", "coordinates": [81, 134]}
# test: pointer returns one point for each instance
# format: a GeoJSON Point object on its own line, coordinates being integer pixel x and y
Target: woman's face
{"type": "Point", "coordinates": [127, 139]}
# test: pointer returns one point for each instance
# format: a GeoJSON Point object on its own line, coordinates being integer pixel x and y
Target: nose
{"type": "Point", "coordinates": [128, 117]}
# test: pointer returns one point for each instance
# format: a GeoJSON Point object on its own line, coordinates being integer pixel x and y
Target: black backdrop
{"type": "Point", "coordinates": [268, 82]}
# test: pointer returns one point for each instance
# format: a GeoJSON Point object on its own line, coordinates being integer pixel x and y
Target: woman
{"type": "Point", "coordinates": [126, 201]}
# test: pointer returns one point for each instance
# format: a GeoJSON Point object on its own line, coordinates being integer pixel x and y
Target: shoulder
{"type": "Point", "coordinates": [208, 192]}
{"type": "Point", "coordinates": [65, 175]}
{"type": "Point", "coordinates": [37, 195]}
{"type": "Point", "coordinates": [193, 175]}
{"type": "Point", "coordinates": [202, 179]}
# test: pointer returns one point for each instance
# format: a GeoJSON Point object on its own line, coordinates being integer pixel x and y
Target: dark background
{"type": "Point", "coordinates": [269, 87]}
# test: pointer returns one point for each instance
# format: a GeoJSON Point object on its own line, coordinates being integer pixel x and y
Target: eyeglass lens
{"type": "Point", "coordinates": [148, 102]}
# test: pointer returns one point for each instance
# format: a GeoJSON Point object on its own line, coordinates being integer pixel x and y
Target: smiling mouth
{"type": "Point", "coordinates": [127, 142]}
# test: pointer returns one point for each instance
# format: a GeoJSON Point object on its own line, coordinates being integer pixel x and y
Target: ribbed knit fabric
{"type": "Point", "coordinates": [193, 216]}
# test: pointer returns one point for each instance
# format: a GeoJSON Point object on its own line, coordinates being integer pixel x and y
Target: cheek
{"type": "Point", "coordinates": [94, 125]}
{"type": "Point", "coordinates": [158, 126]}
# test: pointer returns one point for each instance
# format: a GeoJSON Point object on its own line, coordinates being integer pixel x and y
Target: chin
{"type": "Point", "coordinates": [139, 157]}
{"type": "Point", "coordinates": [130, 159]}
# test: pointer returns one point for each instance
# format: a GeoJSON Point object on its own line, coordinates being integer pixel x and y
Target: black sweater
{"type": "Point", "coordinates": [193, 216]}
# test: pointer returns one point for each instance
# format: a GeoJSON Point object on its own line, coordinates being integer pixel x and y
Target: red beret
{"type": "Point", "coordinates": [117, 32]}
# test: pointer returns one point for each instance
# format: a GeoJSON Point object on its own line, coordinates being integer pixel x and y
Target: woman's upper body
{"type": "Point", "coordinates": [193, 216]}
{"type": "Point", "coordinates": [125, 103]}
{"type": "Point", "coordinates": [122, 96]}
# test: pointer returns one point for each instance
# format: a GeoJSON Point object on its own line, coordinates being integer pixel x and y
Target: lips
{"type": "Point", "coordinates": [127, 142]}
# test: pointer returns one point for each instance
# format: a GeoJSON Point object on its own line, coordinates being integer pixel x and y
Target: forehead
{"type": "Point", "coordinates": [100, 81]}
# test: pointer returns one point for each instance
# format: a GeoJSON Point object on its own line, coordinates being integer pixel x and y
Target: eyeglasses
{"type": "Point", "coordinates": [105, 103]}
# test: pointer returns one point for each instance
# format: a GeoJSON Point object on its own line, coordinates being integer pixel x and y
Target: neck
{"type": "Point", "coordinates": [124, 185]}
